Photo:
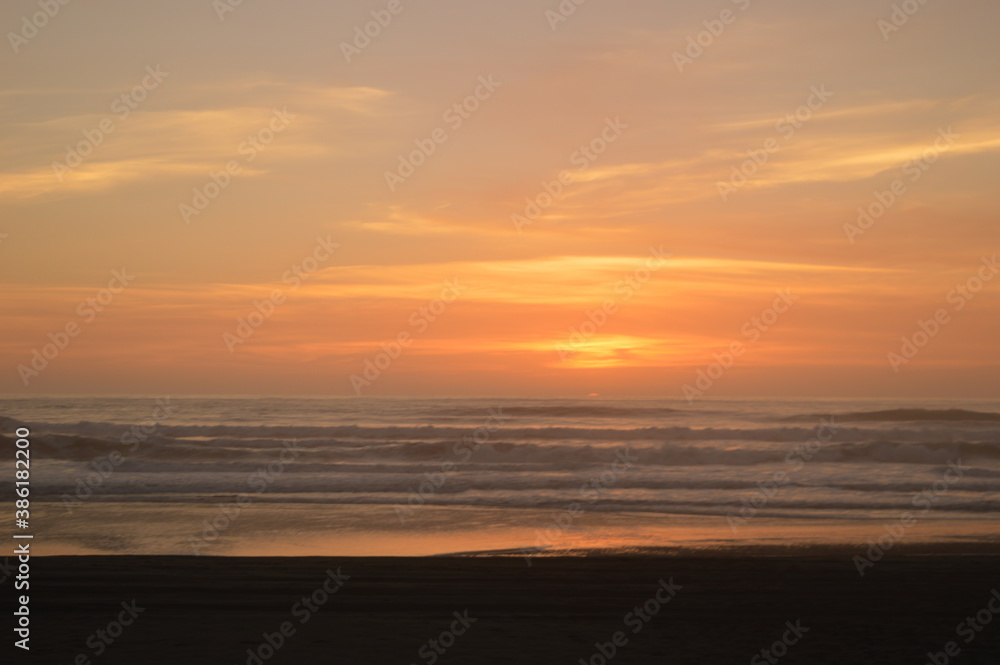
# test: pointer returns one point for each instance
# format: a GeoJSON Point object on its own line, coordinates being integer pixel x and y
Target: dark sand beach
{"type": "Point", "coordinates": [729, 608]}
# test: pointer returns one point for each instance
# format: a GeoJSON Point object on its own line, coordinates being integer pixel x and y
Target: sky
{"type": "Point", "coordinates": [687, 199]}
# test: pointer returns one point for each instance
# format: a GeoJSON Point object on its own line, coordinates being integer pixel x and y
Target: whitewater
{"type": "Point", "coordinates": [420, 466]}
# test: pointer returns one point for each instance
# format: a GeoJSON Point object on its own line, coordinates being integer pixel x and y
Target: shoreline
{"type": "Point", "coordinates": [798, 550]}
{"type": "Point", "coordinates": [311, 529]}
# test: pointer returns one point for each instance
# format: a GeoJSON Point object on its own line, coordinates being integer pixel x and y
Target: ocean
{"type": "Point", "coordinates": [527, 477]}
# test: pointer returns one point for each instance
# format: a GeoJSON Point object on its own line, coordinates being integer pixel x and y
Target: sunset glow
{"type": "Point", "coordinates": [554, 172]}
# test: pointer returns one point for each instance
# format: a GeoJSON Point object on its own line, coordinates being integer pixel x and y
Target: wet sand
{"type": "Point", "coordinates": [727, 609]}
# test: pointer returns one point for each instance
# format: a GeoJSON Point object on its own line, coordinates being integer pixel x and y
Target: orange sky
{"type": "Point", "coordinates": [573, 302]}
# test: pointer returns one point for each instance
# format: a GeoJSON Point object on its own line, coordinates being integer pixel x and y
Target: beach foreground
{"type": "Point", "coordinates": [811, 607]}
